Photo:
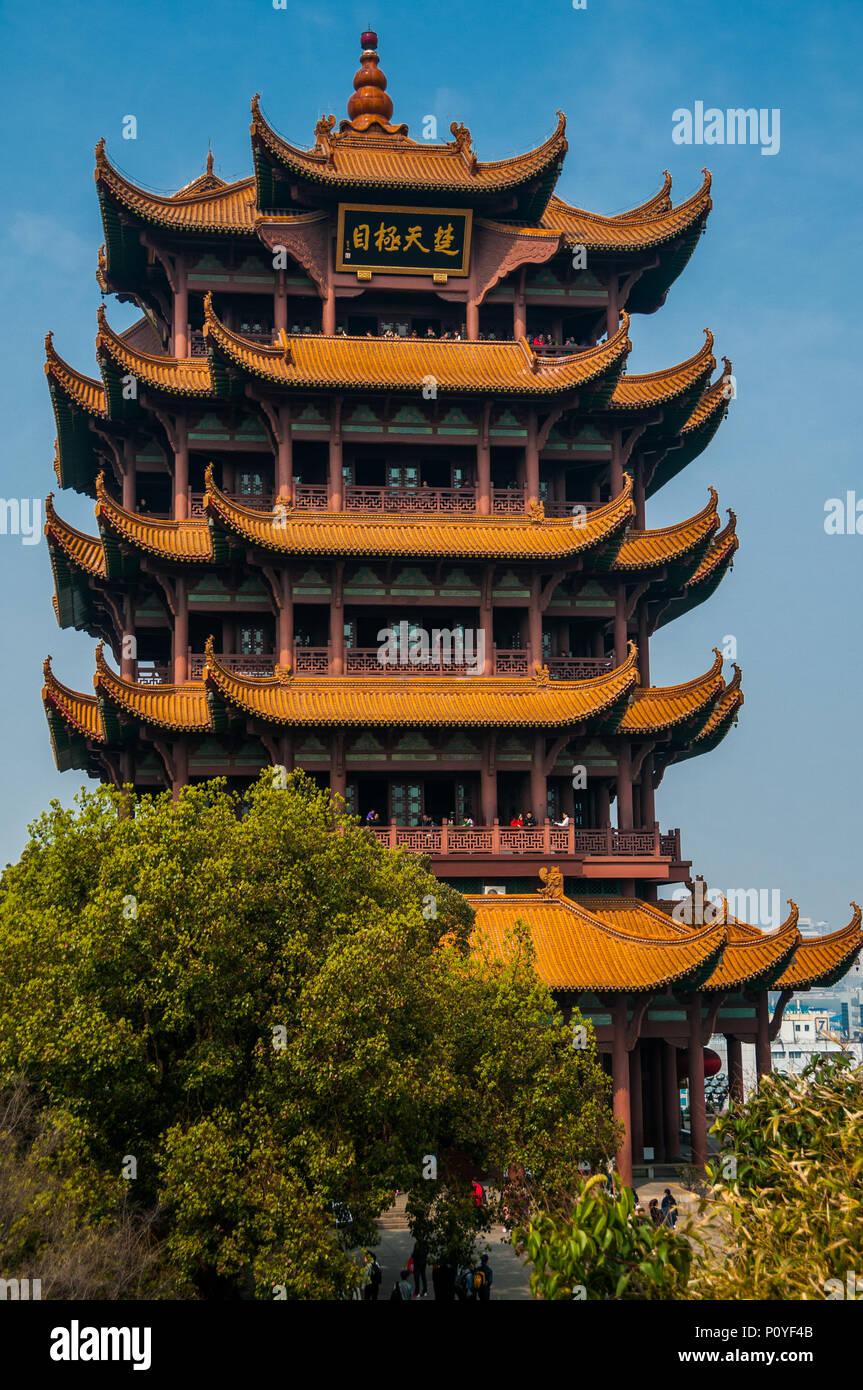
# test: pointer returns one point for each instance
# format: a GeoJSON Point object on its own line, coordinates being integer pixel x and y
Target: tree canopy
{"type": "Point", "coordinates": [279, 1021]}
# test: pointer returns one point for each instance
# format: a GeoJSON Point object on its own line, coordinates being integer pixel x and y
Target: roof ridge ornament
{"type": "Point", "coordinates": [552, 879]}
{"type": "Point", "coordinates": [370, 106]}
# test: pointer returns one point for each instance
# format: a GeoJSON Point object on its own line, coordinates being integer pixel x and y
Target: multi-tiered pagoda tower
{"type": "Point", "coordinates": [378, 393]}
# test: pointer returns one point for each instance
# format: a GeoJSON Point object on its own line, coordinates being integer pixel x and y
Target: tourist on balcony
{"type": "Point", "coordinates": [517, 821]}
{"type": "Point", "coordinates": [372, 817]}
{"type": "Point", "coordinates": [563, 823]}
{"type": "Point", "coordinates": [468, 820]}
{"type": "Point", "coordinates": [430, 333]}
{"type": "Point", "coordinates": [426, 821]}
{"type": "Point", "coordinates": [530, 820]}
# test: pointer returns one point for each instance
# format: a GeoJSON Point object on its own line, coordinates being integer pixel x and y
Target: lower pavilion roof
{"type": "Point", "coordinates": [576, 949]}
{"type": "Point", "coordinates": [619, 943]}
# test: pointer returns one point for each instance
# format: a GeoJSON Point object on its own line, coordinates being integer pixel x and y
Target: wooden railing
{"type": "Point", "coordinates": [258, 503]}
{"type": "Point", "coordinates": [418, 499]}
{"type": "Point", "coordinates": [258, 667]}
{"type": "Point", "coordinates": [497, 839]}
{"type": "Point", "coordinates": [315, 661]}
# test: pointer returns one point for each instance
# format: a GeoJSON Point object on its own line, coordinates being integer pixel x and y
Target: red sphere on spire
{"type": "Point", "coordinates": [369, 39]}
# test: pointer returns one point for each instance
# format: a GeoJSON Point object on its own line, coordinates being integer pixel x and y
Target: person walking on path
{"type": "Point", "coordinates": [420, 1260]}
{"type": "Point", "coordinates": [482, 1280]}
{"type": "Point", "coordinates": [669, 1209]}
{"type": "Point", "coordinates": [374, 1275]}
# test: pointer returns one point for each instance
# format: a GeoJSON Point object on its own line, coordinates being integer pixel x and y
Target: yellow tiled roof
{"type": "Point", "coordinates": [319, 361]}
{"type": "Point", "coordinates": [662, 707]}
{"type": "Point", "coordinates": [726, 707]}
{"type": "Point", "coordinates": [188, 541]}
{"type": "Point", "coordinates": [480, 537]}
{"type": "Point", "coordinates": [751, 952]}
{"type": "Point", "coordinates": [423, 701]}
{"type": "Point", "coordinates": [387, 161]}
{"type": "Point", "coordinates": [725, 542]}
{"type": "Point", "coordinates": [80, 711]}
{"type": "Point", "coordinates": [179, 707]}
{"type": "Point", "coordinates": [656, 388]}
{"type": "Point", "coordinates": [183, 376]}
{"type": "Point", "coordinates": [86, 393]}
{"type": "Point", "coordinates": [643, 549]}
{"type": "Point", "coordinates": [576, 949]}
{"type": "Point", "coordinates": [747, 954]}
{"type": "Point", "coordinates": [84, 551]}
{"type": "Point", "coordinates": [230, 208]}
{"type": "Point", "coordinates": [817, 958]}
{"type": "Point", "coordinates": [630, 231]}
{"type": "Point", "coordinates": [712, 400]}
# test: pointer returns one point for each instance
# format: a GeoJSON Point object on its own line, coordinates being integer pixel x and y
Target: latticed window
{"type": "Point", "coordinates": [251, 484]}
{"type": "Point", "coordinates": [251, 641]}
{"type": "Point", "coordinates": [406, 800]}
{"type": "Point", "coordinates": [406, 476]}
{"type": "Point", "coordinates": [351, 798]}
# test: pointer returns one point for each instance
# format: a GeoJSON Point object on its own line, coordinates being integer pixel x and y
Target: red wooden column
{"type": "Point", "coordinates": [653, 1095]}
{"type": "Point", "coordinates": [181, 631]}
{"type": "Point", "coordinates": [697, 1112]}
{"type": "Point", "coordinates": [670, 1101]}
{"type": "Point", "coordinates": [181, 471]}
{"type": "Point", "coordinates": [538, 782]}
{"type": "Point", "coordinates": [286, 620]}
{"type": "Point", "coordinates": [735, 1068]}
{"type": "Point", "coordinates": [519, 307]}
{"type": "Point", "coordinates": [624, 787]}
{"type": "Point", "coordinates": [620, 1083]}
{"type": "Point", "coordinates": [534, 627]}
{"type": "Point", "coordinates": [648, 799]}
{"type": "Point", "coordinates": [488, 782]}
{"type": "Point", "coordinates": [335, 488]}
{"type": "Point", "coordinates": [284, 459]}
{"type": "Point", "coordinates": [486, 619]}
{"type": "Point", "coordinates": [129, 478]}
{"type": "Point", "coordinates": [337, 621]}
{"type": "Point", "coordinates": [643, 645]}
{"type": "Point", "coordinates": [338, 776]}
{"type": "Point", "coordinates": [531, 459]}
{"type": "Point", "coordinates": [128, 663]}
{"type": "Point", "coordinates": [180, 317]}
{"type": "Point", "coordinates": [483, 463]}
{"type": "Point", "coordinates": [280, 303]}
{"type": "Point", "coordinates": [763, 1061]}
{"type": "Point", "coordinates": [636, 1104]}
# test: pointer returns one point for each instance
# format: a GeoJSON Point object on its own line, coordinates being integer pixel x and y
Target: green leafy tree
{"type": "Point", "coordinates": [602, 1249]}
{"type": "Point", "coordinates": [785, 1213]}
{"type": "Point", "coordinates": [279, 1019]}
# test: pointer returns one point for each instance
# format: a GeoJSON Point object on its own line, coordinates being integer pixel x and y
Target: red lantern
{"type": "Point", "coordinates": [712, 1063]}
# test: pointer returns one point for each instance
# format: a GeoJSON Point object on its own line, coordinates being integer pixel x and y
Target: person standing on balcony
{"type": "Point", "coordinates": [530, 821]}
{"type": "Point", "coordinates": [517, 821]}
{"type": "Point", "coordinates": [563, 823]}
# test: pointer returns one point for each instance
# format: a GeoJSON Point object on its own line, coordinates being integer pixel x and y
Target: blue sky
{"type": "Point", "coordinates": [776, 277]}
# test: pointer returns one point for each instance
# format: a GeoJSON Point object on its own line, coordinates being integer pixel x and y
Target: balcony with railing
{"type": "Point", "coordinates": [423, 501]}
{"type": "Point", "coordinates": [469, 851]}
{"type": "Point", "coordinates": [366, 661]}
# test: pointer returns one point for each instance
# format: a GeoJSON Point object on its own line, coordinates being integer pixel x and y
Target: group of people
{"type": "Point", "coordinates": [520, 820]}
{"type": "Point", "coordinates": [449, 1283]}
{"type": "Point", "coordinates": [665, 1214]}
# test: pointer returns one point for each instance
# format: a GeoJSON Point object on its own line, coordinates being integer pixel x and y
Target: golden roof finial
{"type": "Point", "coordinates": [370, 106]}
{"type": "Point", "coordinates": [210, 160]}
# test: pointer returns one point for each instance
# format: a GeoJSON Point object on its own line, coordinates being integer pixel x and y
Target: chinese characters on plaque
{"type": "Point", "coordinates": [404, 241]}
